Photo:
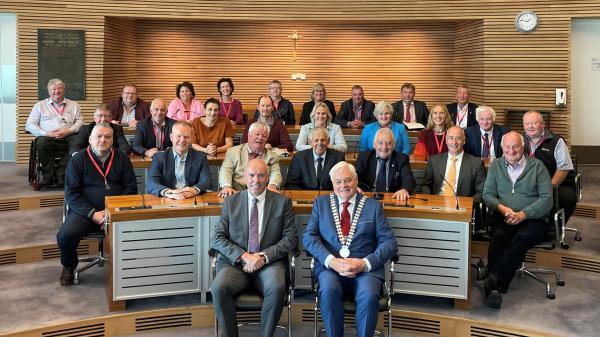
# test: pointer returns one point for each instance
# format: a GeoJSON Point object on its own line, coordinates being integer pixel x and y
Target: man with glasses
{"type": "Point", "coordinates": [55, 122]}
{"type": "Point", "coordinates": [102, 114]}
{"type": "Point", "coordinates": [282, 108]}
{"type": "Point", "coordinates": [129, 108]}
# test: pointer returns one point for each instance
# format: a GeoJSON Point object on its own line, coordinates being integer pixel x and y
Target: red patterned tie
{"type": "Point", "coordinates": [407, 113]}
{"type": "Point", "coordinates": [346, 219]}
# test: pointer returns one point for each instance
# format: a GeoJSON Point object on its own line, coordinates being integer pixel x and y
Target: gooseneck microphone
{"type": "Point", "coordinates": [453, 191]}
{"type": "Point", "coordinates": [376, 196]}
{"type": "Point", "coordinates": [355, 153]}
{"type": "Point", "coordinates": [144, 206]}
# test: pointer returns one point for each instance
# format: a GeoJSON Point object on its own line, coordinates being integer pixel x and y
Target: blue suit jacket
{"type": "Point", "coordinates": [373, 239]}
{"type": "Point", "coordinates": [473, 139]}
{"type": "Point", "coordinates": [162, 171]}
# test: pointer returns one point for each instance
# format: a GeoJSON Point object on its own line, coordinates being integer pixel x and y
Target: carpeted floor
{"type": "Point", "coordinates": [31, 297]}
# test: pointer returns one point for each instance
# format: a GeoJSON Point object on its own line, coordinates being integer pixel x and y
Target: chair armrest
{"type": "Point", "coordinates": [213, 253]}
{"type": "Point", "coordinates": [393, 262]}
{"type": "Point", "coordinates": [578, 186]}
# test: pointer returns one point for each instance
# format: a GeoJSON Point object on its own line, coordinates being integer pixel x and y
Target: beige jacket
{"type": "Point", "coordinates": [231, 172]}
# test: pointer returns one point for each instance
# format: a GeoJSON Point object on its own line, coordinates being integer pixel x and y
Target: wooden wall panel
{"type": "Point", "coordinates": [119, 56]}
{"type": "Point", "coordinates": [380, 57]}
{"type": "Point", "coordinates": [519, 70]}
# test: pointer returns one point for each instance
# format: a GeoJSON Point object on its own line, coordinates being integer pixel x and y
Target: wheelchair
{"type": "Point", "coordinates": [36, 175]}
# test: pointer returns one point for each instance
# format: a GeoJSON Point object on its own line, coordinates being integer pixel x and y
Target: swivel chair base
{"type": "Point", "coordinates": [92, 260]}
{"type": "Point", "coordinates": [533, 273]}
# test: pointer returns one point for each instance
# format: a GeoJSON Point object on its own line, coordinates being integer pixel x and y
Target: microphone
{"type": "Point", "coordinates": [195, 201]}
{"type": "Point", "coordinates": [376, 196]}
{"type": "Point", "coordinates": [453, 191]}
{"type": "Point", "coordinates": [144, 206]}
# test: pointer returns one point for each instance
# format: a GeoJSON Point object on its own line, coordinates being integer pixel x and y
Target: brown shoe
{"type": "Point", "coordinates": [67, 276]}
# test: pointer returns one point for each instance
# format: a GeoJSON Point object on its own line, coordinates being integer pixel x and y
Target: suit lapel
{"type": "Point", "coordinates": [245, 220]}
{"type": "Point", "coordinates": [442, 168]}
{"type": "Point", "coordinates": [310, 161]}
{"type": "Point", "coordinates": [188, 164]}
{"type": "Point", "coordinates": [266, 213]}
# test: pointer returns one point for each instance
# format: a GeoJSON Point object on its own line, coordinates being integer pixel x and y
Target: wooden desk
{"type": "Point", "coordinates": [163, 250]}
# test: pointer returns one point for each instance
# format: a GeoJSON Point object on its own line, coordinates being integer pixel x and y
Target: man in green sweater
{"type": "Point", "coordinates": [519, 190]}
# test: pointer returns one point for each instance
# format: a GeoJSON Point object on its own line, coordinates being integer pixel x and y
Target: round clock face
{"type": "Point", "coordinates": [526, 21]}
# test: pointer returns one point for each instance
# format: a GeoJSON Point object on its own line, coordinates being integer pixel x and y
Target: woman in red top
{"type": "Point", "coordinates": [432, 140]}
{"type": "Point", "coordinates": [230, 108]}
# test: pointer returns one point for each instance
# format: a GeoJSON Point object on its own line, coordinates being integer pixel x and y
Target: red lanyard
{"type": "Point", "coordinates": [459, 117]}
{"type": "Point", "coordinates": [103, 174]}
{"type": "Point", "coordinates": [533, 147]}
{"type": "Point", "coordinates": [225, 108]}
{"type": "Point", "coordinates": [439, 144]}
{"type": "Point", "coordinates": [162, 139]}
{"type": "Point", "coordinates": [59, 112]}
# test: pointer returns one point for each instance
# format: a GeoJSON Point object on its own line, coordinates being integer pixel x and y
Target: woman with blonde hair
{"type": "Point", "coordinates": [317, 94]}
{"type": "Point", "coordinates": [432, 139]}
{"type": "Point", "coordinates": [321, 118]}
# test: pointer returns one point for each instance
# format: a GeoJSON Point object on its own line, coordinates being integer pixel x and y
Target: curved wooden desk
{"type": "Point", "coordinates": [162, 250]}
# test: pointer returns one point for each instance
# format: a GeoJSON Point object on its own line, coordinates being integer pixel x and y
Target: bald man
{"type": "Point", "coordinates": [519, 191]}
{"type": "Point", "coordinates": [153, 134]}
{"type": "Point", "coordinates": [254, 237]}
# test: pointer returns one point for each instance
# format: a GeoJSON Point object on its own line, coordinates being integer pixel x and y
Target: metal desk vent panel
{"type": "Point", "coordinates": [156, 257]}
{"type": "Point", "coordinates": [433, 257]}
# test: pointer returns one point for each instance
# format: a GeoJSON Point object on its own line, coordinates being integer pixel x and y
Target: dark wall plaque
{"type": "Point", "coordinates": [61, 54]}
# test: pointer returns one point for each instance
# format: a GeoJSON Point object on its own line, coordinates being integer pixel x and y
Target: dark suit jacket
{"type": "Point", "coordinates": [142, 109]}
{"type": "Point", "coordinates": [83, 138]}
{"type": "Point", "coordinates": [162, 171]}
{"type": "Point", "coordinates": [278, 237]}
{"type": "Point", "coordinates": [399, 173]}
{"type": "Point", "coordinates": [471, 176]}
{"type": "Point", "coordinates": [346, 113]}
{"type": "Point", "coordinates": [473, 139]}
{"type": "Point", "coordinates": [471, 118]}
{"type": "Point", "coordinates": [308, 107]}
{"type": "Point", "coordinates": [421, 112]}
{"type": "Point", "coordinates": [302, 174]}
{"type": "Point", "coordinates": [373, 239]}
{"type": "Point", "coordinates": [144, 135]}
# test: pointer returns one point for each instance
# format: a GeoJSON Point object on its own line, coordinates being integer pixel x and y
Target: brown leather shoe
{"type": "Point", "coordinates": [67, 276]}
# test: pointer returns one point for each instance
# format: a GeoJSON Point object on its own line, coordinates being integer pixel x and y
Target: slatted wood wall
{"type": "Point", "coordinates": [518, 70]}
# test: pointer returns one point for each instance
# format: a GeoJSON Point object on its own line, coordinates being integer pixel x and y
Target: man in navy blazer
{"type": "Point", "coordinates": [462, 111]}
{"type": "Point", "coordinates": [385, 170]}
{"type": "Point", "coordinates": [153, 134]}
{"type": "Point", "coordinates": [304, 172]}
{"type": "Point", "coordinates": [470, 177]}
{"type": "Point", "coordinates": [344, 262]}
{"type": "Point", "coordinates": [357, 111]}
{"type": "Point", "coordinates": [180, 172]}
{"type": "Point", "coordinates": [418, 109]}
{"type": "Point", "coordinates": [476, 144]}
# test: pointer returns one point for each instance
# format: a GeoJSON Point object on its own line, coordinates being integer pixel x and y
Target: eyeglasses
{"type": "Point", "coordinates": [129, 93]}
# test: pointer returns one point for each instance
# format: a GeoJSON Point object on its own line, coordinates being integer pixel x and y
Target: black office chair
{"type": "Point", "coordinates": [252, 300]}
{"type": "Point", "coordinates": [385, 302]}
{"type": "Point", "coordinates": [549, 243]}
{"type": "Point", "coordinates": [575, 178]}
{"type": "Point", "coordinates": [480, 232]}
{"type": "Point", "coordinates": [91, 260]}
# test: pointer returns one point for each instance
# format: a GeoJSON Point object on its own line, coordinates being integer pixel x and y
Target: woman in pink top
{"type": "Point", "coordinates": [230, 108]}
{"type": "Point", "coordinates": [185, 107]}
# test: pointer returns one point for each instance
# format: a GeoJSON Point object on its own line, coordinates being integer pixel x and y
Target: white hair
{"type": "Point", "coordinates": [339, 166]}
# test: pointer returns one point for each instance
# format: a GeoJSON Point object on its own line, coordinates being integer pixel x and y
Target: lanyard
{"type": "Point", "coordinates": [225, 108]}
{"type": "Point", "coordinates": [59, 112]}
{"type": "Point", "coordinates": [533, 147]}
{"type": "Point", "coordinates": [110, 161]}
{"type": "Point", "coordinates": [439, 144]}
{"type": "Point", "coordinates": [461, 117]}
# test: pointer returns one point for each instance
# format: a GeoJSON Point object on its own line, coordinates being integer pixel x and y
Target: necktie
{"type": "Point", "coordinates": [180, 174]}
{"type": "Point", "coordinates": [451, 177]}
{"type": "Point", "coordinates": [485, 151]}
{"type": "Point", "coordinates": [159, 141]}
{"type": "Point", "coordinates": [381, 180]}
{"type": "Point", "coordinates": [345, 219]}
{"type": "Point", "coordinates": [407, 113]}
{"type": "Point", "coordinates": [253, 244]}
{"type": "Point", "coordinates": [319, 170]}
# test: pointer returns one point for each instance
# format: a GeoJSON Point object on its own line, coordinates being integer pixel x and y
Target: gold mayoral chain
{"type": "Point", "coordinates": [346, 241]}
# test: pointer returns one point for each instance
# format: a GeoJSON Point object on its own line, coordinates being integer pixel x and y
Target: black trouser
{"type": "Point", "coordinates": [70, 233]}
{"type": "Point", "coordinates": [567, 199]}
{"type": "Point", "coordinates": [49, 148]}
{"type": "Point", "coordinates": [509, 245]}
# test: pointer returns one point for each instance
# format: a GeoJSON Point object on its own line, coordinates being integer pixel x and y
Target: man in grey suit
{"type": "Point", "coordinates": [469, 174]}
{"type": "Point", "coordinates": [254, 237]}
